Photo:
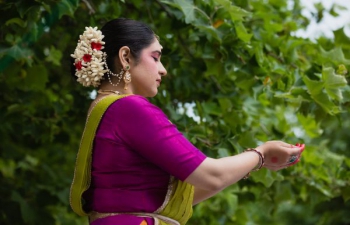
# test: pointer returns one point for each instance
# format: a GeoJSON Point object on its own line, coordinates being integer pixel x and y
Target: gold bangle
{"type": "Point", "coordinates": [261, 161]}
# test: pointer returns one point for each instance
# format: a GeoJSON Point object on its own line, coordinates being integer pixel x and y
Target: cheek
{"type": "Point", "coordinates": [148, 66]}
{"type": "Point", "coordinates": [152, 66]}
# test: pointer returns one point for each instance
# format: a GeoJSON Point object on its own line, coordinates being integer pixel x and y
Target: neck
{"type": "Point", "coordinates": [107, 88]}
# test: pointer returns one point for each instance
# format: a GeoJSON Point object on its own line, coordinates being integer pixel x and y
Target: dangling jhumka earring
{"type": "Point", "coordinates": [127, 77]}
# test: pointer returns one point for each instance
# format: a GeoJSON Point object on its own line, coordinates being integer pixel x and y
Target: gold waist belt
{"type": "Point", "coordinates": [96, 215]}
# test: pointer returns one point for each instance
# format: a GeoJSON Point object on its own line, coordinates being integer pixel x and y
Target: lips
{"type": "Point", "coordinates": [159, 81]}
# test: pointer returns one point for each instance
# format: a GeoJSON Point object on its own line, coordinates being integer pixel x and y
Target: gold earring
{"type": "Point", "coordinates": [127, 77]}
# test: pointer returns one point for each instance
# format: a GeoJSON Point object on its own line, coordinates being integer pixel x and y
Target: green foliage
{"type": "Point", "coordinates": [248, 78]}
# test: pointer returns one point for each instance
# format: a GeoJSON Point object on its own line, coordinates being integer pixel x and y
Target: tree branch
{"type": "Point", "coordinates": [89, 5]}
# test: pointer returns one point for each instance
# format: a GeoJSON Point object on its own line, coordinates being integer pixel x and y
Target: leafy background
{"type": "Point", "coordinates": [237, 63]}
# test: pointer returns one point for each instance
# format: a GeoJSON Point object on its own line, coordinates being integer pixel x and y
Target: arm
{"type": "Point", "coordinates": [216, 180]}
{"type": "Point", "coordinates": [210, 177]}
{"type": "Point", "coordinates": [201, 195]}
{"type": "Point", "coordinates": [148, 131]}
{"type": "Point", "coordinates": [213, 175]}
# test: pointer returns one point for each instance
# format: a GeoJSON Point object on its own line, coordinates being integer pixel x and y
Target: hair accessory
{"type": "Point", "coordinates": [89, 61]}
{"type": "Point", "coordinates": [88, 58]}
{"type": "Point", "coordinates": [119, 76]}
{"type": "Point", "coordinates": [127, 77]}
{"type": "Point", "coordinates": [261, 161]}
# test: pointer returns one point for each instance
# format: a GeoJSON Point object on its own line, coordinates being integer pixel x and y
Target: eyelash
{"type": "Point", "coordinates": [155, 59]}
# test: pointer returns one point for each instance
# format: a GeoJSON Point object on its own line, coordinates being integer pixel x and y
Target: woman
{"type": "Point", "coordinates": [133, 165]}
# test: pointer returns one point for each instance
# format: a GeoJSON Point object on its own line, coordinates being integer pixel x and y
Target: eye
{"type": "Point", "coordinates": [155, 59]}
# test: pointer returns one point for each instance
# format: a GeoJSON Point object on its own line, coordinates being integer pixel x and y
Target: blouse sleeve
{"type": "Point", "coordinates": [147, 130]}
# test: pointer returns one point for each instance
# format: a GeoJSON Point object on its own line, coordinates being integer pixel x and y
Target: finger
{"type": "Point", "coordinates": [302, 148]}
{"type": "Point", "coordinates": [284, 144]}
{"type": "Point", "coordinates": [294, 151]}
{"type": "Point", "coordinates": [297, 145]}
{"type": "Point", "coordinates": [270, 167]}
{"type": "Point", "coordinates": [283, 165]}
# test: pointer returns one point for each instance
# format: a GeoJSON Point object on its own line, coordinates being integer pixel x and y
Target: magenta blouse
{"type": "Point", "coordinates": [136, 149]}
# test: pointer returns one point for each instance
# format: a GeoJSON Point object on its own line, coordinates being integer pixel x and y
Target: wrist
{"type": "Point", "coordinates": [261, 150]}
{"type": "Point", "coordinates": [261, 160]}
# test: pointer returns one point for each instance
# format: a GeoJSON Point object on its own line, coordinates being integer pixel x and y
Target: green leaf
{"type": "Point", "coordinates": [332, 80]}
{"type": "Point", "coordinates": [7, 168]}
{"type": "Point", "coordinates": [310, 126]}
{"type": "Point", "coordinates": [188, 10]}
{"type": "Point", "coordinates": [266, 177]}
{"type": "Point", "coordinates": [222, 152]}
{"type": "Point", "coordinates": [54, 56]}
{"type": "Point", "coordinates": [314, 87]}
{"type": "Point", "coordinates": [65, 7]}
{"type": "Point", "coordinates": [236, 13]}
{"type": "Point", "coordinates": [323, 100]}
{"type": "Point", "coordinates": [334, 55]}
{"type": "Point", "coordinates": [18, 53]}
{"type": "Point", "coordinates": [259, 53]}
{"type": "Point", "coordinates": [211, 108]}
{"type": "Point", "coordinates": [333, 83]}
{"type": "Point", "coordinates": [17, 21]}
{"type": "Point", "coordinates": [210, 31]}
{"type": "Point", "coordinates": [242, 32]}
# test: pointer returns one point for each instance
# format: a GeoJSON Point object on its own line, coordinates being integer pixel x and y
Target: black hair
{"type": "Point", "coordinates": [125, 32]}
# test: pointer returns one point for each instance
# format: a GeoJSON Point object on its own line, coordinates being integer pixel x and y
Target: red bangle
{"type": "Point", "coordinates": [261, 160]}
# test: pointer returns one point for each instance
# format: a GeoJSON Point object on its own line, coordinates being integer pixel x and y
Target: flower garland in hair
{"type": "Point", "coordinates": [89, 60]}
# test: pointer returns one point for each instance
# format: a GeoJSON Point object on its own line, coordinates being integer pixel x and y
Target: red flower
{"type": "Point", "coordinates": [87, 58]}
{"type": "Point", "coordinates": [78, 65]}
{"type": "Point", "coordinates": [96, 46]}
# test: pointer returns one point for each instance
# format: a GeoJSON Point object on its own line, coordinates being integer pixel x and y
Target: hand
{"type": "Point", "coordinates": [278, 154]}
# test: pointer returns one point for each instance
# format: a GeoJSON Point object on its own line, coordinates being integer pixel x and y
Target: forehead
{"type": "Point", "coordinates": [155, 46]}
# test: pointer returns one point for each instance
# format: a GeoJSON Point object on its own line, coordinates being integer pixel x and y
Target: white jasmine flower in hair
{"type": "Point", "coordinates": [88, 57]}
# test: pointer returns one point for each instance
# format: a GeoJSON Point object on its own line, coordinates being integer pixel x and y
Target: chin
{"type": "Point", "coordinates": [153, 93]}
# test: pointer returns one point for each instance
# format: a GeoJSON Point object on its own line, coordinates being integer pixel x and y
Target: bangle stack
{"type": "Point", "coordinates": [261, 161]}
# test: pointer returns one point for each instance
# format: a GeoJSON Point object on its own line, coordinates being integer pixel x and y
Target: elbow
{"type": "Point", "coordinates": [208, 176]}
{"type": "Point", "coordinates": [215, 184]}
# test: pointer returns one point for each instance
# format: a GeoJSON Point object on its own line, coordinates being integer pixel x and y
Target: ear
{"type": "Point", "coordinates": [125, 56]}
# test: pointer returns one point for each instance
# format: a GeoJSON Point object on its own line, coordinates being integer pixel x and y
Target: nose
{"type": "Point", "coordinates": [162, 70]}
